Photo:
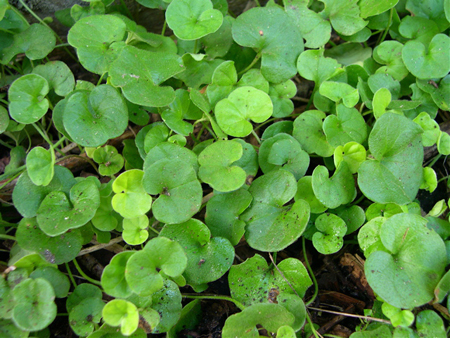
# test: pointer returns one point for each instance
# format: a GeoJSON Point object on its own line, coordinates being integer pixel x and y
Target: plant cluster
{"type": "Point", "coordinates": [225, 160]}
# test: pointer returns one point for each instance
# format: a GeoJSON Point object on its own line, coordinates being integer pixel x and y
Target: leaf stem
{"type": "Point", "coordinates": [238, 304]}
{"type": "Point", "coordinates": [257, 3]}
{"type": "Point", "coordinates": [256, 136]}
{"type": "Point", "coordinates": [255, 60]}
{"type": "Point", "coordinates": [71, 276]}
{"type": "Point", "coordinates": [3, 236]}
{"type": "Point", "coordinates": [164, 28]}
{"type": "Point", "coordinates": [391, 13]}
{"type": "Point", "coordinates": [3, 143]}
{"type": "Point", "coordinates": [89, 279]}
{"type": "Point", "coordinates": [311, 325]}
{"type": "Point", "coordinates": [316, 286]}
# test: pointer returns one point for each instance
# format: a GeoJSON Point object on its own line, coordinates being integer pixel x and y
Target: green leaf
{"type": "Point", "coordinates": [335, 191]}
{"type": "Point", "coordinates": [443, 143]}
{"type": "Point", "coordinates": [109, 159]}
{"type": "Point", "coordinates": [430, 63]}
{"type": "Point", "coordinates": [416, 257]}
{"type": "Point", "coordinates": [113, 276]}
{"type": "Point", "coordinates": [312, 65]}
{"type": "Point", "coordinates": [275, 36]}
{"type": "Point", "coordinates": [381, 100]}
{"type": "Point", "coordinates": [134, 230]}
{"type": "Point", "coordinates": [346, 127]}
{"type": "Point", "coordinates": [352, 153]}
{"type": "Point", "coordinates": [375, 7]}
{"type": "Point", "coordinates": [242, 104]}
{"type": "Point", "coordinates": [308, 131]}
{"type": "Point", "coordinates": [40, 165]}
{"type": "Point", "coordinates": [180, 193]}
{"type": "Point", "coordinates": [353, 217]}
{"type": "Point", "coordinates": [222, 214]}
{"type": "Point", "coordinates": [58, 75]}
{"type": "Point", "coordinates": [57, 213]}
{"type": "Point", "coordinates": [106, 219]}
{"type": "Point", "coordinates": [439, 92]}
{"type": "Point", "coordinates": [37, 41]}
{"type": "Point", "coordinates": [58, 280]}
{"type": "Point", "coordinates": [389, 53]}
{"type": "Point", "coordinates": [198, 69]}
{"type": "Point", "coordinates": [329, 238]}
{"type": "Point", "coordinates": [337, 91]}
{"type": "Point", "coordinates": [81, 292]}
{"type": "Point", "coordinates": [27, 196]}
{"type": "Point", "coordinates": [27, 98]}
{"type": "Point", "coordinates": [418, 29]}
{"type": "Point", "coordinates": [283, 151]}
{"type": "Point", "coordinates": [9, 330]}
{"type": "Point", "coordinates": [139, 74]}
{"type": "Point", "coordinates": [93, 118]}
{"type": "Point", "coordinates": [170, 151]}
{"type": "Point", "coordinates": [377, 81]}
{"type": "Point", "coordinates": [218, 43]}
{"type": "Point", "coordinates": [315, 29]}
{"type": "Point", "coordinates": [398, 317]}
{"type": "Point", "coordinates": [84, 316]}
{"type": "Point", "coordinates": [120, 312]}
{"type": "Point", "coordinates": [142, 268]}
{"type": "Point", "coordinates": [280, 94]}
{"type": "Point", "coordinates": [35, 308]}
{"type": "Point", "coordinates": [428, 323]}
{"type": "Point", "coordinates": [95, 39]}
{"type": "Point", "coordinates": [208, 258]}
{"type": "Point", "coordinates": [306, 192]}
{"type": "Point", "coordinates": [130, 199]}
{"type": "Point", "coordinates": [430, 9]}
{"type": "Point", "coordinates": [4, 119]}
{"type": "Point", "coordinates": [243, 324]}
{"type": "Point", "coordinates": [349, 53]}
{"type": "Point", "coordinates": [56, 250]}
{"type": "Point", "coordinates": [252, 281]}
{"type": "Point", "coordinates": [167, 302]}
{"type": "Point", "coordinates": [191, 20]}
{"type": "Point", "coordinates": [344, 16]}
{"type": "Point", "coordinates": [270, 225]}
{"type": "Point", "coordinates": [216, 166]}
{"type": "Point", "coordinates": [395, 142]}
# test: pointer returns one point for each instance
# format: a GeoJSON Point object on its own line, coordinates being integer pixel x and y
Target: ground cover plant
{"type": "Point", "coordinates": [208, 168]}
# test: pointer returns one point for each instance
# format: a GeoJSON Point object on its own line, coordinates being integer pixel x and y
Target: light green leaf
{"type": "Point", "coordinates": [381, 100]}
{"type": "Point", "coordinates": [344, 16]}
{"type": "Point", "coordinates": [40, 165]}
{"type": "Point", "coordinates": [113, 276]}
{"type": "Point", "coordinates": [352, 153]}
{"type": "Point", "coordinates": [120, 312]}
{"type": "Point", "coordinates": [337, 91]}
{"type": "Point", "coordinates": [134, 230]}
{"type": "Point", "coordinates": [312, 65]}
{"type": "Point", "coordinates": [329, 238]}
{"type": "Point", "coordinates": [375, 7]}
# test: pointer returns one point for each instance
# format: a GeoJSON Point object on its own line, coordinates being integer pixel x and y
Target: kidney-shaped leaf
{"type": "Point", "coordinates": [58, 213]}
{"type": "Point", "coordinates": [270, 225]}
{"type": "Point", "coordinates": [329, 238]}
{"type": "Point", "coordinates": [407, 273]}
{"type": "Point", "coordinates": [193, 19]}
{"type": "Point", "coordinates": [27, 102]}
{"type": "Point", "coordinates": [142, 268]}
{"type": "Point", "coordinates": [180, 192]}
{"type": "Point", "coordinates": [207, 258]}
{"type": "Point", "coordinates": [35, 308]}
{"type": "Point", "coordinates": [242, 104]}
{"type": "Point", "coordinates": [273, 33]}
{"type": "Point", "coordinates": [120, 312]}
{"type": "Point", "coordinates": [93, 118]}
{"type": "Point", "coordinates": [94, 38]}
{"type": "Point", "coordinates": [139, 73]}
{"type": "Point", "coordinates": [216, 166]}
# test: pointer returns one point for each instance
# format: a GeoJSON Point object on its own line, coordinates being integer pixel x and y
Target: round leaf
{"type": "Point", "coordinates": [332, 229]}
{"type": "Point", "coordinates": [352, 153]}
{"type": "Point", "coordinates": [120, 312]}
{"type": "Point", "coordinates": [193, 19]}
{"type": "Point", "coordinates": [113, 276]}
{"type": "Point", "coordinates": [242, 104]}
{"type": "Point", "coordinates": [27, 102]}
{"type": "Point", "coordinates": [180, 193]}
{"type": "Point", "coordinates": [216, 166]}
{"type": "Point", "coordinates": [109, 159]}
{"type": "Point", "coordinates": [94, 118]}
{"type": "Point", "coordinates": [84, 316]}
{"type": "Point", "coordinates": [431, 63]}
{"type": "Point", "coordinates": [134, 230]}
{"type": "Point", "coordinates": [35, 308]}
{"type": "Point", "coordinates": [276, 37]}
{"type": "Point", "coordinates": [58, 75]}
{"type": "Point", "coordinates": [58, 280]}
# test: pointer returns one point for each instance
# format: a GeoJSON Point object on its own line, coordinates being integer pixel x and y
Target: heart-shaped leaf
{"type": "Point", "coordinates": [242, 104]}
{"type": "Point", "coordinates": [389, 53]}
{"type": "Point", "coordinates": [273, 33]}
{"type": "Point", "coordinates": [170, 151]}
{"type": "Point", "coordinates": [180, 192]}
{"type": "Point", "coordinates": [109, 159]}
{"type": "Point", "coordinates": [27, 101]}
{"type": "Point", "coordinates": [139, 73]}
{"type": "Point", "coordinates": [142, 268]}
{"type": "Point", "coordinates": [222, 214]}
{"type": "Point", "coordinates": [329, 238]}
{"type": "Point", "coordinates": [57, 213]}
{"type": "Point", "coordinates": [120, 312]}
{"type": "Point", "coordinates": [270, 225]}
{"type": "Point", "coordinates": [306, 192]}
{"type": "Point", "coordinates": [216, 166]}
{"type": "Point", "coordinates": [344, 16]}
{"type": "Point", "coordinates": [58, 75]}
{"type": "Point", "coordinates": [85, 315]}
{"type": "Point", "coordinates": [93, 118]}
{"type": "Point", "coordinates": [37, 41]}
{"type": "Point", "coordinates": [415, 255]}
{"type": "Point", "coordinates": [94, 38]}
{"type": "Point", "coordinates": [283, 151]}
{"type": "Point", "coordinates": [35, 308]}
{"type": "Point", "coordinates": [352, 153]}
{"type": "Point", "coordinates": [131, 200]}
{"type": "Point", "coordinates": [280, 94]}
{"type": "Point", "coordinates": [312, 65]}
{"type": "Point", "coordinates": [337, 91]}
{"type": "Point", "coordinates": [134, 230]}
{"type": "Point", "coordinates": [431, 63]}
{"type": "Point", "coordinates": [207, 258]}
{"type": "Point", "coordinates": [337, 190]}
{"type": "Point", "coordinates": [193, 19]}
{"type": "Point", "coordinates": [113, 276]}
{"type": "Point", "coordinates": [40, 165]}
